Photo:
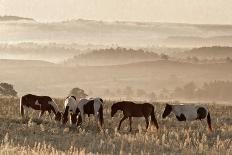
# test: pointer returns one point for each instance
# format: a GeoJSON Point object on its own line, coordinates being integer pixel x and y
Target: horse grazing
{"type": "Point", "coordinates": [42, 103]}
{"type": "Point", "coordinates": [131, 109]}
{"type": "Point", "coordinates": [90, 106]}
{"type": "Point", "coordinates": [70, 105]}
{"type": "Point", "coordinates": [188, 113]}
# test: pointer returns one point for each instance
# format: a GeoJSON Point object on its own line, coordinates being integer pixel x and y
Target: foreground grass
{"type": "Point", "coordinates": [173, 137]}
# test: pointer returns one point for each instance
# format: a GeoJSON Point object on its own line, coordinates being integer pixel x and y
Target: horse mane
{"type": "Point", "coordinates": [54, 105]}
{"type": "Point", "coordinates": [74, 97]}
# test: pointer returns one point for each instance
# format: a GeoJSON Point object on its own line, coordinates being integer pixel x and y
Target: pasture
{"type": "Point", "coordinates": [173, 137]}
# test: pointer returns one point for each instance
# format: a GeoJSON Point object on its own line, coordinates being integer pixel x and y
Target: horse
{"type": "Point", "coordinates": [42, 103]}
{"type": "Point", "coordinates": [131, 109]}
{"type": "Point", "coordinates": [188, 113]}
{"type": "Point", "coordinates": [85, 106]}
{"type": "Point", "coordinates": [70, 105]}
{"type": "Point", "coordinates": [90, 106]}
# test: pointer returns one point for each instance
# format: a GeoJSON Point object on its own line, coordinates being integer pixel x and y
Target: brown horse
{"type": "Point", "coordinates": [42, 103]}
{"type": "Point", "coordinates": [130, 109]}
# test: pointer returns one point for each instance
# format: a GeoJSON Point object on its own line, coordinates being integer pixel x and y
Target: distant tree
{"type": "Point", "coordinates": [128, 92]}
{"type": "Point", "coordinates": [7, 89]}
{"type": "Point", "coordinates": [195, 59]}
{"type": "Point", "coordinates": [228, 59]}
{"type": "Point", "coordinates": [90, 92]}
{"type": "Point", "coordinates": [152, 96]}
{"type": "Point", "coordinates": [78, 93]}
{"type": "Point", "coordinates": [140, 93]}
{"type": "Point", "coordinates": [164, 56]}
{"type": "Point", "coordinates": [189, 90]}
{"type": "Point", "coordinates": [119, 91]}
{"type": "Point", "coordinates": [107, 92]}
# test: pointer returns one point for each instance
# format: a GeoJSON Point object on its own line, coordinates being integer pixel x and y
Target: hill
{"type": "Point", "coordinates": [14, 18]}
{"type": "Point", "coordinates": [207, 52]}
{"type": "Point", "coordinates": [57, 80]}
{"type": "Point", "coordinates": [112, 56]}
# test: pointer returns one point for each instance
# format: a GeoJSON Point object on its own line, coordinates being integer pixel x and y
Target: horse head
{"type": "Point", "coordinates": [167, 110]}
{"type": "Point", "coordinates": [58, 116]}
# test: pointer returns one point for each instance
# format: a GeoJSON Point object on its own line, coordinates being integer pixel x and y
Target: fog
{"type": "Point", "coordinates": [118, 60]}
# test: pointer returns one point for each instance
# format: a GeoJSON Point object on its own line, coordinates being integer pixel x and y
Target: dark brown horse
{"type": "Point", "coordinates": [42, 103]}
{"type": "Point", "coordinates": [131, 109]}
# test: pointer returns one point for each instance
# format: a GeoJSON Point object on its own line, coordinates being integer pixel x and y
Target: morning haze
{"type": "Point", "coordinates": [162, 52]}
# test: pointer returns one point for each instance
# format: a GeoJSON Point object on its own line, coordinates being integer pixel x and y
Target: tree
{"type": "Point", "coordinates": [164, 56]}
{"type": "Point", "coordinates": [128, 92]}
{"type": "Point", "coordinates": [7, 89]}
{"type": "Point", "coordinates": [152, 96]}
{"type": "Point", "coordinates": [78, 93]}
{"type": "Point", "coordinates": [141, 93]}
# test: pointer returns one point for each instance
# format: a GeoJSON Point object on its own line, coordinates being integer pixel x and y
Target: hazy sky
{"type": "Point", "coordinates": [187, 11]}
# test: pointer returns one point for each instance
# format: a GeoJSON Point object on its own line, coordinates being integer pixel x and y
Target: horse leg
{"type": "Point", "coordinates": [79, 121]}
{"type": "Point", "coordinates": [130, 119]}
{"type": "Point", "coordinates": [96, 120]}
{"type": "Point", "coordinates": [74, 118]}
{"type": "Point", "coordinates": [50, 115]}
{"type": "Point", "coordinates": [124, 117]}
{"type": "Point", "coordinates": [26, 112]}
{"type": "Point", "coordinates": [41, 114]}
{"type": "Point", "coordinates": [147, 122]}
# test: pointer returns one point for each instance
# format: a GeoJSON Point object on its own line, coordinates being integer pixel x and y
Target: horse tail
{"type": "Point", "coordinates": [21, 107]}
{"type": "Point", "coordinates": [209, 121]}
{"type": "Point", "coordinates": [153, 119]}
{"type": "Point", "coordinates": [101, 115]}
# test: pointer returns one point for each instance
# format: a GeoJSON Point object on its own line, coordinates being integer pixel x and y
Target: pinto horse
{"type": "Point", "coordinates": [131, 109]}
{"type": "Point", "coordinates": [42, 103]}
{"type": "Point", "coordinates": [70, 105]}
{"type": "Point", "coordinates": [188, 113]}
{"type": "Point", "coordinates": [85, 106]}
{"type": "Point", "coordinates": [90, 106]}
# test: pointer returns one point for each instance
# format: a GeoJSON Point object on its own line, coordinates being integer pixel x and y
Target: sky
{"type": "Point", "coordinates": [177, 11]}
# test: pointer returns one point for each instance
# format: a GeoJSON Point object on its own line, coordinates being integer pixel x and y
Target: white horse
{"type": "Point", "coordinates": [188, 113]}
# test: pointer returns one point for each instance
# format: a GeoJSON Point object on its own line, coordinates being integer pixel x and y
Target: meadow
{"type": "Point", "coordinates": [50, 137]}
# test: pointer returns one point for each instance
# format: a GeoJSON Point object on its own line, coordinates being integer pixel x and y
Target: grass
{"type": "Point", "coordinates": [49, 137]}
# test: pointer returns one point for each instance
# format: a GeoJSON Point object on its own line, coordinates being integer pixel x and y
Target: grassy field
{"type": "Point", "coordinates": [173, 137]}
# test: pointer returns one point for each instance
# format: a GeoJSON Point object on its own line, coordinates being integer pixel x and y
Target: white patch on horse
{"type": "Point", "coordinates": [37, 103]}
{"type": "Point", "coordinates": [72, 103]}
{"type": "Point", "coordinates": [97, 105]}
{"type": "Point", "coordinates": [189, 111]}
{"type": "Point", "coordinates": [80, 106]}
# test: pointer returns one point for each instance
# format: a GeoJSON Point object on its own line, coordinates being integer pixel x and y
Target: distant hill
{"type": "Point", "coordinates": [197, 41]}
{"type": "Point", "coordinates": [113, 56]}
{"type": "Point", "coordinates": [14, 18]}
{"type": "Point", "coordinates": [24, 63]}
{"type": "Point", "coordinates": [207, 52]}
{"type": "Point", "coordinates": [42, 77]}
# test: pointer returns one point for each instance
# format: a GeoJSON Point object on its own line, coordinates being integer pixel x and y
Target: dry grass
{"type": "Point", "coordinates": [172, 138]}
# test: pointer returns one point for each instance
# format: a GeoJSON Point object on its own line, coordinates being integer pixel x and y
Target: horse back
{"type": "Point", "coordinates": [35, 102]}
{"type": "Point", "coordinates": [137, 110]}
